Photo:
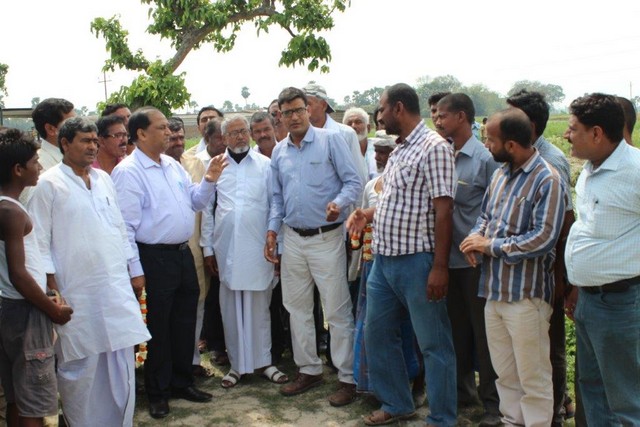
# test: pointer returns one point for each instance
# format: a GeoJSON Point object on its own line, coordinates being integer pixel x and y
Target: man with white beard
{"type": "Point", "coordinates": [243, 195]}
{"type": "Point", "coordinates": [358, 120]}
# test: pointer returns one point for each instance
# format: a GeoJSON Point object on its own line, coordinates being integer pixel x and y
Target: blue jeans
{"type": "Point", "coordinates": [608, 341]}
{"type": "Point", "coordinates": [396, 284]}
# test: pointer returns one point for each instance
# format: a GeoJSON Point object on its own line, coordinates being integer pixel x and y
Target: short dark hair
{"type": "Point", "coordinates": [208, 108]}
{"type": "Point", "coordinates": [289, 94]}
{"type": "Point", "coordinates": [629, 111]}
{"type": "Point", "coordinates": [436, 97]}
{"type": "Point", "coordinates": [105, 122]}
{"type": "Point", "coordinates": [72, 126]}
{"type": "Point", "coordinates": [212, 127]}
{"type": "Point", "coordinates": [402, 92]}
{"type": "Point", "coordinates": [599, 109]}
{"type": "Point", "coordinates": [140, 120]}
{"type": "Point", "coordinates": [112, 108]}
{"type": "Point", "coordinates": [457, 102]}
{"type": "Point", "coordinates": [175, 124]}
{"type": "Point", "coordinates": [50, 111]}
{"type": "Point", "coordinates": [534, 106]}
{"type": "Point", "coordinates": [261, 116]}
{"type": "Point", "coordinates": [375, 115]}
{"type": "Point", "coordinates": [16, 148]}
{"type": "Point", "coordinates": [515, 126]}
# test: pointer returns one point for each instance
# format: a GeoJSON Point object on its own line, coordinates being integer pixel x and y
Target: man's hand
{"type": "Point", "coordinates": [61, 314]}
{"type": "Point", "coordinates": [437, 284]}
{"type": "Point", "coordinates": [473, 246]}
{"type": "Point", "coordinates": [215, 168]}
{"type": "Point", "coordinates": [138, 283]}
{"type": "Point", "coordinates": [356, 222]}
{"type": "Point", "coordinates": [211, 265]}
{"type": "Point", "coordinates": [333, 211]}
{"type": "Point", "coordinates": [270, 247]}
{"type": "Point", "coordinates": [570, 302]}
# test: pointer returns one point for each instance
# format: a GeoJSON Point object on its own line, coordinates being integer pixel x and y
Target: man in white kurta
{"type": "Point", "coordinates": [246, 278]}
{"type": "Point", "coordinates": [83, 240]}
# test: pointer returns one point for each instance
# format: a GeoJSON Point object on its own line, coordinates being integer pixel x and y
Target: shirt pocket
{"type": "Point", "coordinates": [403, 175]}
{"type": "Point", "coordinates": [316, 173]}
{"type": "Point", "coordinates": [108, 210]}
{"type": "Point", "coordinates": [519, 216]}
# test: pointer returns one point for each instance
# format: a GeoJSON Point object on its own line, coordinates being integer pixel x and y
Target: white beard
{"type": "Point", "coordinates": [240, 150]}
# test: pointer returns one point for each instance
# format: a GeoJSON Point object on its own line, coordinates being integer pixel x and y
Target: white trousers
{"type": "Point", "coordinates": [247, 328]}
{"type": "Point", "coordinates": [99, 390]}
{"type": "Point", "coordinates": [320, 259]}
{"type": "Point", "coordinates": [518, 338]}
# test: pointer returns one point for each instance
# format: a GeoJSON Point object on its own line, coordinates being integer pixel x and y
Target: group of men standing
{"type": "Point", "coordinates": [470, 242]}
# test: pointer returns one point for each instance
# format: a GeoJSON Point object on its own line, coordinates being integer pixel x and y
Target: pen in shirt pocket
{"type": "Point", "coordinates": [522, 199]}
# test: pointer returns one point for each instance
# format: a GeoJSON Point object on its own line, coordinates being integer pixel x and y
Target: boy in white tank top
{"type": "Point", "coordinates": [26, 310]}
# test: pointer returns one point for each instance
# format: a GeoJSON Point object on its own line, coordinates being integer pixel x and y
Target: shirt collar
{"type": "Point", "coordinates": [413, 136]}
{"type": "Point", "coordinates": [469, 148]}
{"type": "Point", "coordinates": [308, 137]}
{"type": "Point", "coordinates": [613, 161]}
{"type": "Point", "coordinates": [147, 162]}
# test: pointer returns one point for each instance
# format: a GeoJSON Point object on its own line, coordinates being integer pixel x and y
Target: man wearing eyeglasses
{"type": "Point", "coordinates": [112, 145]}
{"type": "Point", "coordinates": [314, 182]}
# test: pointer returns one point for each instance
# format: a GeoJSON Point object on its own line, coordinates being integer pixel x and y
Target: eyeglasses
{"type": "Point", "coordinates": [176, 138]}
{"type": "Point", "coordinates": [118, 135]}
{"type": "Point", "coordinates": [296, 111]}
{"type": "Point", "coordinates": [235, 133]}
{"type": "Point", "coordinates": [274, 114]}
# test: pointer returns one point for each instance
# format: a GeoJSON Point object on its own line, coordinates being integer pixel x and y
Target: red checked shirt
{"type": "Point", "coordinates": [419, 170]}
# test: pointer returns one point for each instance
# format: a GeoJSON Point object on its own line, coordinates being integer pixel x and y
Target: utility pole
{"type": "Point", "coordinates": [104, 80]}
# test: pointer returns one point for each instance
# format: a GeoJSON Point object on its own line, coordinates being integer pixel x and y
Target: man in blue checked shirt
{"type": "Point", "coordinates": [602, 262]}
{"type": "Point", "coordinates": [516, 233]}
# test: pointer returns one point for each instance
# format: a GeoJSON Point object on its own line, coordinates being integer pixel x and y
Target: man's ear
{"type": "Point", "coordinates": [50, 130]}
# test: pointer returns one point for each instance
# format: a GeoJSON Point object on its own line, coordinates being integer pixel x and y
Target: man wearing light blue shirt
{"type": "Point", "coordinates": [158, 200]}
{"type": "Point", "coordinates": [602, 262]}
{"type": "Point", "coordinates": [314, 183]}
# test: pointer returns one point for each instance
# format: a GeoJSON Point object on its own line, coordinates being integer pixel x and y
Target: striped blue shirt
{"type": "Point", "coordinates": [522, 213]}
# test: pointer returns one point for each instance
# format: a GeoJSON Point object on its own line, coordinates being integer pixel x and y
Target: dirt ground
{"type": "Point", "coordinates": [255, 402]}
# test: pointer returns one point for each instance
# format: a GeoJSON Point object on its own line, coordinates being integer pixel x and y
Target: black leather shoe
{"type": "Point", "coordinates": [191, 393]}
{"type": "Point", "coordinates": [159, 409]}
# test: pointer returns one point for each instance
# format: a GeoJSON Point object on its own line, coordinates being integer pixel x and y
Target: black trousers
{"type": "Point", "coordinates": [212, 329]}
{"type": "Point", "coordinates": [466, 313]}
{"type": "Point", "coordinates": [172, 300]}
{"type": "Point", "coordinates": [558, 359]}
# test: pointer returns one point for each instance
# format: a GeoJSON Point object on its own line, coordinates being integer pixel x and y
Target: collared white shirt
{"type": "Point", "coordinates": [351, 138]}
{"type": "Point", "coordinates": [604, 242]}
{"type": "Point", "coordinates": [158, 201]}
{"type": "Point", "coordinates": [83, 241]}
{"type": "Point", "coordinates": [243, 194]}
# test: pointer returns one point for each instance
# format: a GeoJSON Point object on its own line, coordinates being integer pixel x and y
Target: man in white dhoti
{"type": "Point", "coordinates": [246, 278]}
{"type": "Point", "coordinates": [83, 240]}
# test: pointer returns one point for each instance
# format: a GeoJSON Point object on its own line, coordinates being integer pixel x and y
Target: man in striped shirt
{"type": "Point", "coordinates": [411, 240]}
{"type": "Point", "coordinates": [516, 234]}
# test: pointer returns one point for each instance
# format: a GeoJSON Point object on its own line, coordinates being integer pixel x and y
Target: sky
{"type": "Point", "coordinates": [586, 46]}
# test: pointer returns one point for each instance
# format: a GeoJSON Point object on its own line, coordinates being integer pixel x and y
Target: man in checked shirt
{"type": "Point", "coordinates": [411, 240]}
{"type": "Point", "coordinates": [516, 233]}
